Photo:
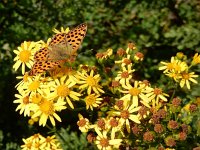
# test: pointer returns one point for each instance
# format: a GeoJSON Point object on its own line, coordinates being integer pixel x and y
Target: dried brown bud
{"type": "Point", "coordinates": [91, 137]}
{"type": "Point", "coordinates": [172, 124]}
{"type": "Point", "coordinates": [131, 45]}
{"type": "Point", "coordinates": [158, 128]}
{"type": "Point", "coordinates": [184, 128]}
{"type": "Point", "coordinates": [99, 55]}
{"type": "Point", "coordinates": [113, 122]}
{"type": "Point", "coordinates": [143, 111]}
{"type": "Point", "coordinates": [121, 52]}
{"type": "Point", "coordinates": [176, 102]}
{"type": "Point", "coordinates": [115, 83]}
{"type": "Point", "coordinates": [182, 136]}
{"type": "Point", "coordinates": [101, 123]}
{"type": "Point", "coordinates": [119, 104]}
{"type": "Point", "coordinates": [170, 142]}
{"type": "Point", "coordinates": [193, 107]}
{"type": "Point", "coordinates": [135, 129]}
{"type": "Point", "coordinates": [148, 136]}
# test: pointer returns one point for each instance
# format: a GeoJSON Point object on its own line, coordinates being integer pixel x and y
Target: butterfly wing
{"type": "Point", "coordinates": [62, 46]}
{"type": "Point", "coordinates": [42, 66]}
{"type": "Point", "coordinates": [42, 54]}
{"type": "Point", "coordinates": [75, 37]}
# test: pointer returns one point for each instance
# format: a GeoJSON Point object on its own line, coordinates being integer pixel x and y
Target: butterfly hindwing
{"type": "Point", "coordinates": [42, 66]}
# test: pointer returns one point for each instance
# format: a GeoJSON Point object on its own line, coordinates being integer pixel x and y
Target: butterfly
{"type": "Point", "coordinates": [62, 47]}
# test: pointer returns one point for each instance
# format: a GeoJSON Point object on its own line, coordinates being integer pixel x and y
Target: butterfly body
{"type": "Point", "coordinates": [62, 47]}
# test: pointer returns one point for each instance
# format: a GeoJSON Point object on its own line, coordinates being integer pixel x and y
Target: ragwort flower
{"type": "Point", "coordinates": [62, 88]}
{"type": "Point", "coordinates": [25, 54]}
{"type": "Point", "coordinates": [125, 75]}
{"type": "Point", "coordinates": [135, 93]}
{"type": "Point", "coordinates": [127, 113]}
{"type": "Point", "coordinates": [186, 77]}
{"type": "Point", "coordinates": [103, 142]}
{"type": "Point", "coordinates": [47, 109]}
{"type": "Point", "coordinates": [92, 100]}
{"type": "Point", "coordinates": [90, 82]}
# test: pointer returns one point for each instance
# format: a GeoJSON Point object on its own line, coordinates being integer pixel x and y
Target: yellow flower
{"type": "Point", "coordinates": [47, 109]}
{"type": "Point", "coordinates": [126, 113]}
{"type": "Point", "coordinates": [125, 75]}
{"type": "Point", "coordinates": [92, 100]}
{"type": "Point", "coordinates": [62, 30]}
{"type": "Point", "coordinates": [156, 95]}
{"type": "Point", "coordinates": [33, 142]}
{"type": "Point", "coordinates": [186, 77]}
{"type": "Point", "coordinates": [125, 61]}
{"type": "Point", "coordinates": [50, 143]}
{"type": "Point", "coordinates": [196, 59]}
{"type": "Point", "coordinates": [113, 124]}
{"type": "Point", "coordinates": [22, 82]}
{"type": "Point", "coordinates": [83, 123]}
{"type": "Point", "coordinates": [38, 142]}
{"type": "Point", "coordinates": [34, 84]}
{"type": "Point", "coordinates": [62, 88]}
{"type": "Point", "coordinates": [25, 55]}
{"type": "Point", "coordinates": [90, 82]}
{"type": "Point", "coordinates": [23, 104]}
{"type": "Point", "coordinates": [107, 54]}
{"type": "Point", "coordinates": [103, 142]}
{"type": "Point", "coordinates": [175, 65]}
{"type": "Point", "coordinates": [135, 93]}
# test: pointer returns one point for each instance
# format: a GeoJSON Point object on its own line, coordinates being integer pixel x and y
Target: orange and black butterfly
{"type": "Point", "coordinates": [62, 47]}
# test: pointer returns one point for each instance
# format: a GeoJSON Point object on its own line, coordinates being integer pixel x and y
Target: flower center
{"type": "Point", "coordinates": [157, 91]}
{"type": "Point", "coordinates": [24, 55]}
{"type": "Point", "coordinates": [170, 66]}
{"type": "Point", "coordinates": [34, 85]}
{"type": "Point", "coordinates": [48, 139]}
{"type": "Point", "coordinates": [185, 76]}
{"type": "Point", "coordinates": [47, 107]}
{"type": "Point", "coordinates": [113, 122]}
{"type": "Point", "coordinates": [101, 123]}
{"type": "Point", "coordinates": [36, 99]}
{"type": "Point", "coordinates": [134, 91]}
{"type": "Point", "coordinates": [177, 67]}
{"type": "Point", "coordinates": [82, 123]}
{"type": "Point", "coordinates": [91, 81]}
{"type": "Point", "coordinates": [104, 142]}
{"type": "Point", "coordinates": [127, 61]}
{"type": "Point", "coordinates": [125, 74]}
{"type": "Point", "coordinates": [63, 91]}
{"type": "Point", "coordinates": [29, 145]}
{"type": "Point", "coordinates": [125, 114]}
{"type": "Point", "coordinates": [91, 99]}
{"type": "Point", "coordinates": [26, 100]}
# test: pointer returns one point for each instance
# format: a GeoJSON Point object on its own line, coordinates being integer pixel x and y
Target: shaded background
{"type": "Point", "coordinates": [159, 29]}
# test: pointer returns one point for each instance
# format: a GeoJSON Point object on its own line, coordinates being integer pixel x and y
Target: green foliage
{"type": "Point", "coordinates": [70, 140]}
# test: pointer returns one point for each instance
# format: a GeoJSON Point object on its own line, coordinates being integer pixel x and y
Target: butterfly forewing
{"type": "Point", "coordinates": [42, 54]}
{"type": "Point", "coordinates": [76, 35]}
{"type": "Point", "coordinates": [57, 39]}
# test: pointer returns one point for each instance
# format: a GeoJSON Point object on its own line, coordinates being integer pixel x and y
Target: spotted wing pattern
{"type": "Point", "coordinates": [62, 46]}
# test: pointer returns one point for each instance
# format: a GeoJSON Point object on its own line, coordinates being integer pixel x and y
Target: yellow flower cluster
{"type": "Point", "coordinates": [179, 70]}
{"type": "Point", "coordinates": [37, 141]}
{"type": "Point", "coordinates": [42, 96]}
{"type": "Point", "coordinates": [113, 91]}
